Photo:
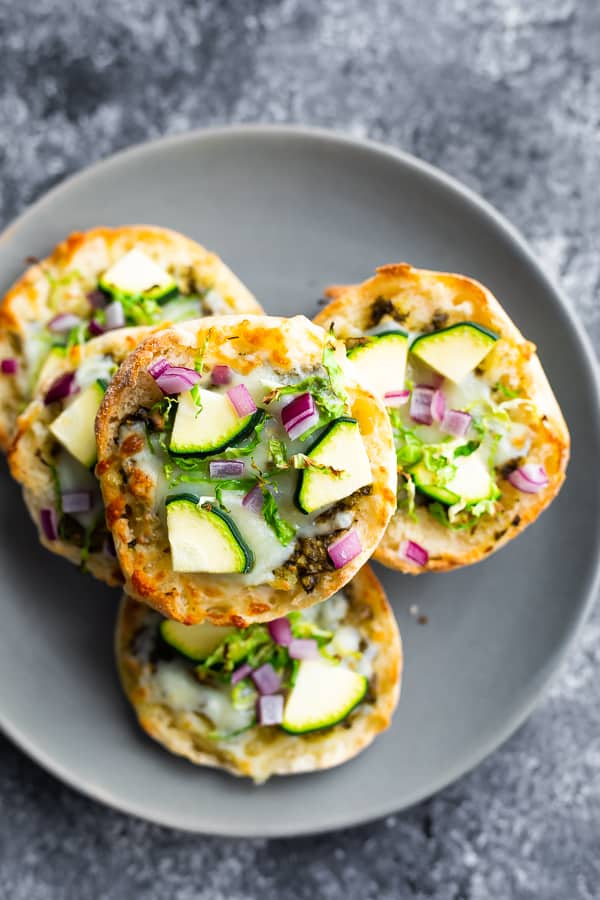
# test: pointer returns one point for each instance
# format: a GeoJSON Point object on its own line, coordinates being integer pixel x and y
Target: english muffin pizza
{"type": "Point", "coordinates": [54, 452]}
{"type": "Point", "coordinates": [245, 472]}
{"type": "Point", "coordinates": [99, 280]}
{"type": "Point", "coordinates": [304, 692]}
{"type": "Point", "coordinates": [481, 444]}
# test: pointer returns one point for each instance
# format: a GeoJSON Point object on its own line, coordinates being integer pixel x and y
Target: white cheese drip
{"type": "Point", "coordinates": [183, 693]}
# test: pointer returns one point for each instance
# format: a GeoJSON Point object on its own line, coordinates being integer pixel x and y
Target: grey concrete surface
{"type": "Point", "coordinates": [503, 94]}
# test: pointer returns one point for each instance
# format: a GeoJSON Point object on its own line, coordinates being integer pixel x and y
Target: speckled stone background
{"type": "Point", "coordinates": [503, 94]}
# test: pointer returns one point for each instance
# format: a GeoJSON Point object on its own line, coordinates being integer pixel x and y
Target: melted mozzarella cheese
{"type": "Point", "coordinates": [95, 368]}
{"type": "Point", "coordinates": [183, 693]}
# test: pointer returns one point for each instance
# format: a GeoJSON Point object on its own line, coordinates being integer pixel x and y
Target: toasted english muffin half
{"type": "Point", "coordinates": [217, 510]}
{"type": "Point", "coordinates": [54, 451]}
{"type": "Point", "coordinates": [167, 278]}
{"type": "Point", "coordinates": [191, 707]}
{"type": "Point", "coordinates": [482, 446]}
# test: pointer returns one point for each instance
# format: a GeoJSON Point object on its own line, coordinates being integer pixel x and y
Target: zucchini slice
{"type": "Point", "coordinates": [471, 482]}
{"type": "Point", "coordinates": [196, 642]}
{"type": "Point", "coordinates": [204, 539]}
{"type": "Point", "coordinates": [340, 447]}
{"type": "Point", "coordinates": [454, 351]}
{"type": "Point", "coordinates": [323, 695]}
{"type": "Point", "coordinates": [381, 361]}
{"type": "Point", "coordinates": [75, 428]}
{"type": "Point", "coordinates": [210, 428]}
{"type": "Point", "coordinates": [137, 275]}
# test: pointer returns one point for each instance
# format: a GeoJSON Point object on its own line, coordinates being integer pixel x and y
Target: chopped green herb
{"type": "Point", "coordinates": [197, 398]}
{"type": "Point", "coordinates": [466, 449]}
{"type": "Point", "coordinates": [284, 531]}
{"type": "Point", "coordinates": [509, 393]}
{"type": "Point", "coordinates": [278, 453]}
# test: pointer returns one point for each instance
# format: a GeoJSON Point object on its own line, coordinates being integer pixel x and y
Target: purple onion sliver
{"type": "Point", "coordinates": [115, 315]}
{"type": "Point", "coordinates": [64, 386]}
{"type": "Point", "coordinates": [303, 648]}
{"type": "Point", "coordinates": [414, 553]}
{"type": "Point", "coordinates": [97, 299]}
{"type": "Point", "coordinates": [225, 468]}
{"type": "Point", "coordinates": [302, 426]}
{"type": "Point", "coordinates": [266, 679]}
{"type": "Point", "coordinates": [9, 366]}
{"type": "Point", "coordinates": [281, 631]}
{"type": "Point", "coordinates": [529, 479]}
{"type": "Point", "coordinates": [420, 404]}
{"type": "Point", "coordinates": [63, 323]}
{"type": "Point", "coordinates": [296, 409]}
{"type": "Point", "coordinates": [396, 398]}
{"type": "Point", "coordinates": [95, 328]}
{"type": "Point", "coordinates": [158, 367]}
{"type": "Point", "coordinates": [221, 375]}
{"type": "Point", "coordinates": [438, 405]}
{"type": "Point", "coordinates": [241, 672]}
{"type": "Point", "coordinates": [76, 501]}
{"type": "Point", "coordinates": [254, 500]}
{"type": "Point", "coordinates": [176, 379]}
{"type": "Point", "coordinates": [241, 400]}
{"type": "Point", "coordinates": [456, 422]}
{"type": "Point", "coordinates": [49, 523]}
{"type": "Point", "coordinates": [269, 709]}
{"type": "Point", "coordinates": [345, 549]}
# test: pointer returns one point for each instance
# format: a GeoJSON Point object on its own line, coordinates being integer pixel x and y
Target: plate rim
{"type": "Point", "coordinates": [589, 362]}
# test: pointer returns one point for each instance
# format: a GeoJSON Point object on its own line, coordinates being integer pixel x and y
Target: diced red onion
{"type": "Point", "coordinates": [420, 404]}
{"type": "Point", "coordinates": [396, 398]}
{"type": "Point", "coordinates": [220, 375]}
{"type": "Point", "coordinates": [115, 315]}
{"type": "Point", "coordinates": [95, 328]}
{"type": "Point", "coordinates": [456, 422]}
{"type": "Point", "coordinates": [158, 367]}
{"type": "Point", "coordinates": [281, 631]}
{"type": "Point", "coordinates": [303, 425]}
{"type": "Point", "coordinates": [266, 679]}
{"type": "Point", "coordinates": [413, 552]}
{"type": "Point", "coordinates": [63, 323]}
{"type": "Point", "coordinates": [345, 549]}
{"type": "Point", "coordinates": [241, 400]}
{"type": "Point", "coordinates": [241, 672]}
{"type": "Point", "coordinates": [97, 299]}
{"type": "Point", "coordinates": [76, 501]}
{"type": "Point", "coordinates": [299, 415]}
{"type": "Point", "coordinates": [224, 468]}
{"type": "Point", "coordinates": [303, 648]}
{"type": "Point", "coordinates": [173, 379]}
{"type": "Point", "coordinates": [297, 409]}
{"type": "Point", "coordinates": [269, 709]}
{"type": "Point", "coordinates": [63, 386]}
{"type": "Point", "coordinates": [49, 523]}
{"type": "Point", "coordinates": [254, 500]}
{"type": "Point", "coordinates": [9, 366]}
{"type": "Point", "coordinates": [530, 478]}
{"type": "Point", "coordinates": [438, 406]}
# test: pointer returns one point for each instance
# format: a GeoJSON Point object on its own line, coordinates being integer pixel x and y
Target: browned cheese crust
{"type": "Point", "coordinates": [262, 752]}
{"type": "Point", "coordinates": [46, 290]}
{"type": "Point", "coordinates": [422, 300]}
{"type": "Point", "coordinates": [288, 346]}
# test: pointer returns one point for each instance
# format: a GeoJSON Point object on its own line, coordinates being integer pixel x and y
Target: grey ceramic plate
{"type": "Point", "coordinates": [293, 211]}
